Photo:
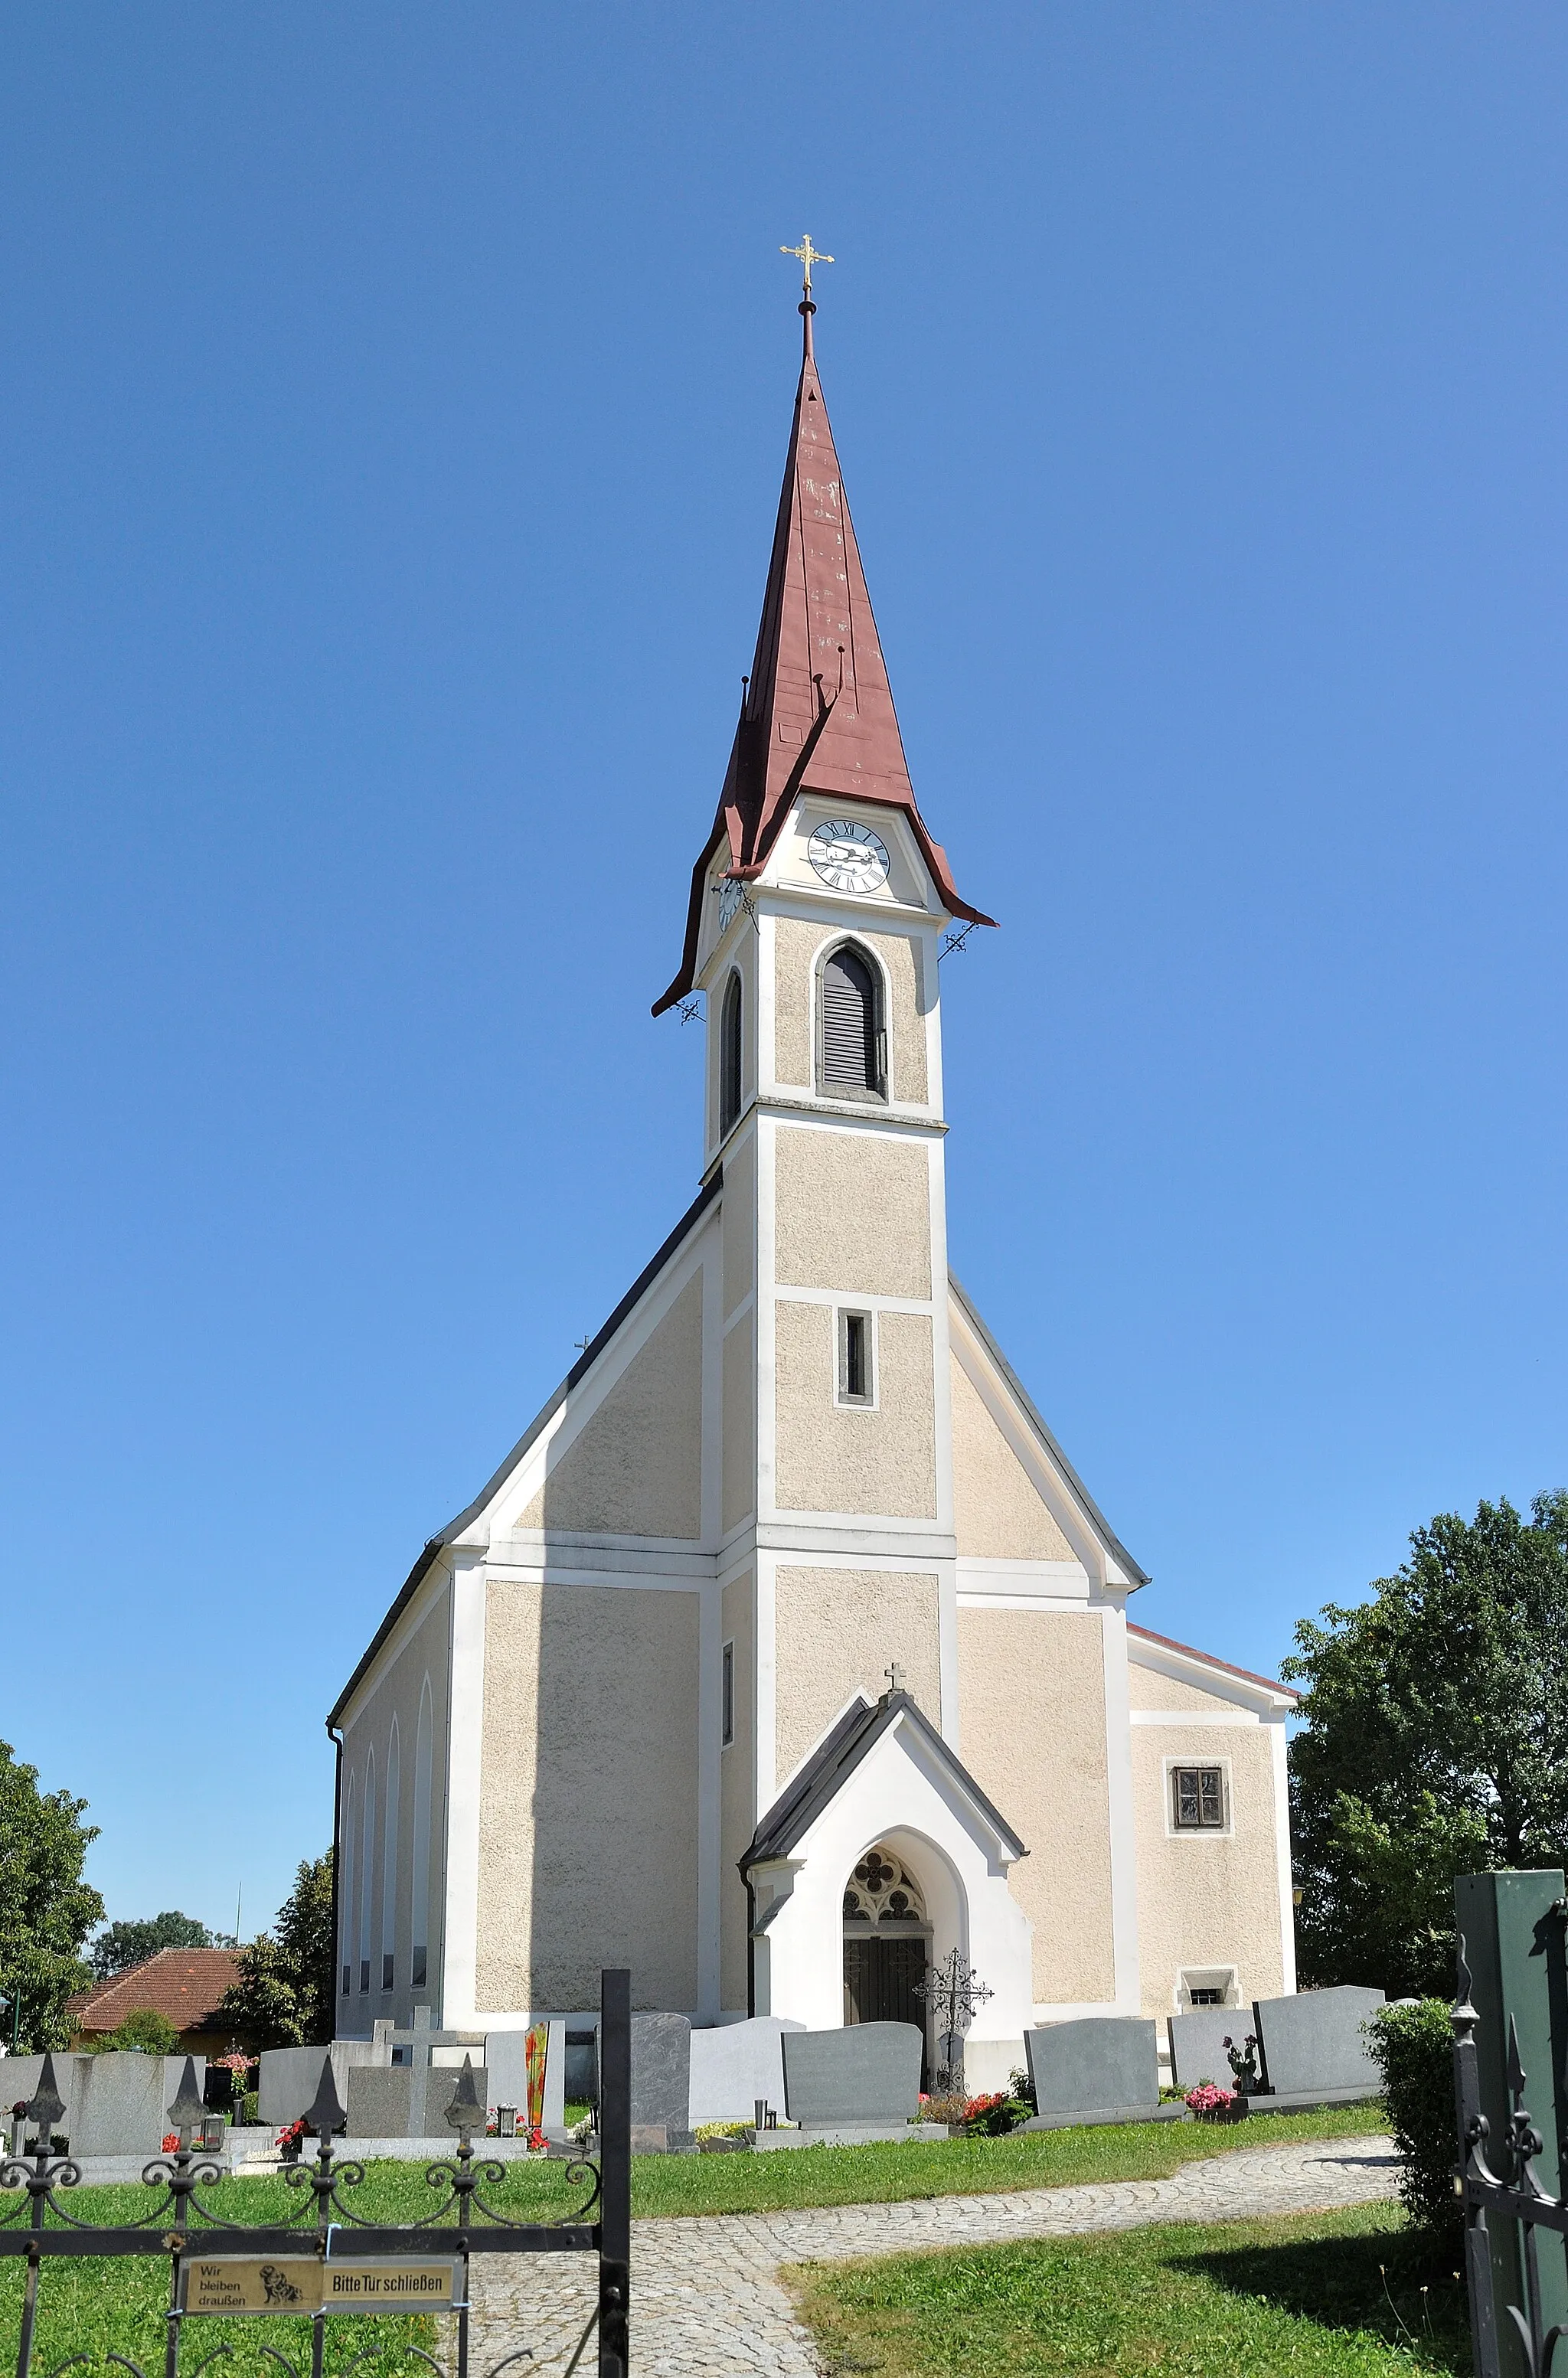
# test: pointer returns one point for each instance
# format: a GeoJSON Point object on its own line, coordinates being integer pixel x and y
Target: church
{"type": "Point", "coordinates": [786, 1652]}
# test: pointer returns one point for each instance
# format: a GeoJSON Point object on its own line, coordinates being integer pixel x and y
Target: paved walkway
{"type": "Point", "coordinates": [706, 2303]}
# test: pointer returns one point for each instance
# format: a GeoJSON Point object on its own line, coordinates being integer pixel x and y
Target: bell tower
{"type": "Point", "coordinates": [816, 913]}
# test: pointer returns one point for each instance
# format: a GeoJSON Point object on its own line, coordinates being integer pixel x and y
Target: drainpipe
{"type": "Point", "coordinates": [337, 1742]}
{"type": "Point", "coordinates": [750, 1940]}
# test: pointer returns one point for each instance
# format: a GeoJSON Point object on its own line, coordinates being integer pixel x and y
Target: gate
{"type": "Point", "coordinates": [1511, 2194]}
{"type": "Point", "coordinates": [326, 2236]}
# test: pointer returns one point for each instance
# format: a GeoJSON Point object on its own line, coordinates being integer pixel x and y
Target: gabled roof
{"type": "Point", "coordinates": [834, 1760]}
{"type": "Point", "coordinates": [1227, 1667]}
{"type": "Point", "coordinates": [818, 714]}
{"type": "Point", "coordinates": [492, 1484]}
{"type": "Point", "coordinates": [183, 1984]}
{"type": "Point", "coordinates": [1113, 1543]}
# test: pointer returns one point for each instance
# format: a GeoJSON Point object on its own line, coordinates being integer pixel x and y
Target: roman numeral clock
{"type": "Point", "coordinates": [848, 856]}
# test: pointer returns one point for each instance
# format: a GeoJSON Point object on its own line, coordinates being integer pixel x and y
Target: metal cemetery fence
{"type": "Point", "coordinates": [1511, 2196]}
{"type": "Point", "coordinates": [321, 2259]}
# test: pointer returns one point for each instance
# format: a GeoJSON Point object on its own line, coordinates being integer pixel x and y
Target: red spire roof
{"type": "Point", "coordinates": [818, 714]}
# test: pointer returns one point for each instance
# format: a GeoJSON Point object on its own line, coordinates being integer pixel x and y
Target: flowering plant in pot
{"type": "Point", "coordinates": [1211, 2103]}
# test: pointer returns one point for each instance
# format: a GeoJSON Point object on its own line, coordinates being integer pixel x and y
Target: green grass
{"type": "Point", "coordinates": [1326, 2295]}
{"type": "Point", "coordinates": [89, 2305]}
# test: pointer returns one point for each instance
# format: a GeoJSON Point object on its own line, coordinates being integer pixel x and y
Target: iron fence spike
{"type": "Point", "coordinates": [46, 2106]}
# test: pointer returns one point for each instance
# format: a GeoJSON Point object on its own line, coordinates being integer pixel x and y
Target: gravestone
{"type": "Point", "coordinates": [863, 2080]}
{"type": "Point", "coordinates": [661, 2083]}
{"type": "Point", "coordinates": [1096, 2069]}
{"type": "Point", "coordinates": [506, 2061]}
{"type": "Point", "coordinates": [1312, 2046]}
{"type": "Point", "coordinates": [290, 2076]}
{"type": "Point", "coordinates": [1197, 2044]}
{"type": "Point", "coordinates": [117, 2104]}
{"type": "Point", "coordinates": [405, 2101]}
{"type": "Point", "coordinates": [735, 2064]}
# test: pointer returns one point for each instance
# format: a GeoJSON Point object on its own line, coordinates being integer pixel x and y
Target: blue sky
{"type": "Point", "coordinates": [394, 403]}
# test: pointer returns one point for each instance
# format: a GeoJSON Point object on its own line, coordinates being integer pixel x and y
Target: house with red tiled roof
{"type": "Point", "coordinates": [185, 1985]}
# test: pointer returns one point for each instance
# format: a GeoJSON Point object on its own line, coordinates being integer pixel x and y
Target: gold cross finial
{"type": "Point", "coordinates": [808, 256]}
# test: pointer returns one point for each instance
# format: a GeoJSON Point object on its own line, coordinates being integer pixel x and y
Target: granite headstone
{"type": "Point", "coordinates": [869, 2073]}
{"type": "Point", "coordinates": [405, 2101]}
{"type": "Point", "coordinates": [1197, 2044]}
{"type": "Point", "coordinates": [117, 2104]}
{"type": "Point", "coordinates": [1096, 2064]}
{"type": "Point", "coordinates": [1314, 2041]}
{"type": "Point", "coordinates": [506, 2061]}
{"type": "Point", "coordinates": [661, 2083]}
{"type": "Point", "coordinates": [735, 2064]}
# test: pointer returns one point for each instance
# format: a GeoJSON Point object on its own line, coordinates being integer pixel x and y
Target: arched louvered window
{"type": "Point", "coordinates": [852, 1034]}
{"type": "Point", "coordinates": [729, 1057]}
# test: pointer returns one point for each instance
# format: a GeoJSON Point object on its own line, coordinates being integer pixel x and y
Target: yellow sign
{"type": "Point", "coordinates": [391, 2286]}
{"type": "Point", "coordinates": [300, 2283]}
{"type": "Point", "coordinates": [280, 2284]}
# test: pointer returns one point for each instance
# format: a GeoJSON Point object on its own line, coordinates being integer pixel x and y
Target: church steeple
{"type": "Point", "coordinates": [818, 711]}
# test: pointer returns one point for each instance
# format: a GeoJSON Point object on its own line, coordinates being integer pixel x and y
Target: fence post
{"type": "Point", "coordinates": [615, 2169]}
{"type": "Point", "coordinates": [1472, 2133]}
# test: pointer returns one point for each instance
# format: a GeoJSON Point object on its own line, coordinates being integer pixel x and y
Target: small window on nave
{"type": "Point", "coordinates": [853, 1039]}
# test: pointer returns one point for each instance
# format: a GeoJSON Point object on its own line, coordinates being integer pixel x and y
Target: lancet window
{"type": "Point", "coordinates": [883, 1890]}
{"type": "Point", "coordinates": [729, 1056]}
{"type": "Point", "coordinates": [854, 1042]}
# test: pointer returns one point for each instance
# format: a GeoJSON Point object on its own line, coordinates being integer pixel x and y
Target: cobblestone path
{"type": "Point", "coordinates": [706, 2303]}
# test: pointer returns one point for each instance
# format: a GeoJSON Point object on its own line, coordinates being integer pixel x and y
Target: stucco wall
{"type": "Point", "coordinates": [737, 1808]}
{"type": "Point", "coordinates": [1206, 1899]}
{"type": "Point", "coordinates": [797, 947]}
{"type": "Point", "coordinates": [998, 1513]}
{"type": "Point", "coordinates": [836, 1631]}
{"type": "Point", "coordinates": [739, 1471]}
{"type": "Point", "coordinates": [1032, 1691]}
{"type": "Point", "coordinates": [794, 943]}
{"type": "Point", "coordinates": [830, 1457]}
{"type": "Point", "coordinates": [396, 1692]}
{"type": "Point", "coordinates": [852, 1212]}
{"type": "Point", "coordinates": [906, 1026]}
{"type": "Point", "coordinates": [739, 1218]}
{"type": "Point", "coordinates": [636, 1468]}
{"type": "Point", "coordinates": [1149, 1689]}
{"type": "Point", "coordinates": [588, 1808]}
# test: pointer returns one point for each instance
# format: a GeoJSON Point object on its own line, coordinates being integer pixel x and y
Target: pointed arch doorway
{"type": "Point", "coordinates": [887, 1947]}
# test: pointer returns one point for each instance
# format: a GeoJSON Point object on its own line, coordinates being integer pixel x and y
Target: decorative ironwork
{"type": "Point", "coordinates": [1515, 2194]}
{"type": "Point", "coordinates": [179, 2223]}
{"type": "Point", "coordinates": [954, 1993]}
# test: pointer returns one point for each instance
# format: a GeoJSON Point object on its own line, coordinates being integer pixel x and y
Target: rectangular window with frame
{"type": "Point", "coordinates": [855, 1381]}
{"type": "Point", "coordinates": [1197, 1799]}
{"type": "Point", "coordinates": [726, 1697]}
{"type": "Point", "coordinates": [1202, 1995]}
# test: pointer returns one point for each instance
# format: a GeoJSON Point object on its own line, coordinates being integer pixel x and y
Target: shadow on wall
{"type": "Point", "coordinates": [591, 1715]}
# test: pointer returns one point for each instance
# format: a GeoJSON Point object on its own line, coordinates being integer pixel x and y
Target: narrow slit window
{"type": "Point", "coordinates": [1197, 1795]}
{"type": "Point", "coordinates": [852, 1033]}
{"type": "Point", "coordinates": [388, 1968]}
{"type": "Point", "coordinates": [729, 1057]}
{"type": "Point", "coordinates": [726, 1697]}
{"type": "Point", "coordinates": [855, 1358]}
{"type": "Point", "coordinates": [419, 1975]}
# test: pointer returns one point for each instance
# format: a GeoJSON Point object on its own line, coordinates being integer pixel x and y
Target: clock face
{"type": "Point", "coordinates": [730, 897]}
{"type": "Point", "coordinates": [848, 856]}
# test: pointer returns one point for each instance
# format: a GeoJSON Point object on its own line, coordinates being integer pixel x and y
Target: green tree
{"type": "Point", "coordinates": [46, 1910]}
{"type": "Point", "coordinates": [145, 2028]}
{"type": "Point", "coordinates": [283, 1994]}
{"type": "Point", "coordinates": [135, 1939]}
{"type": "Point", "coordinates": [1436, 1744]}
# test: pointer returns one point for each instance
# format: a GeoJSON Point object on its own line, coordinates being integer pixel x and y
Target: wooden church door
{"type": "Point", "coordinates": [886, 1947]}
